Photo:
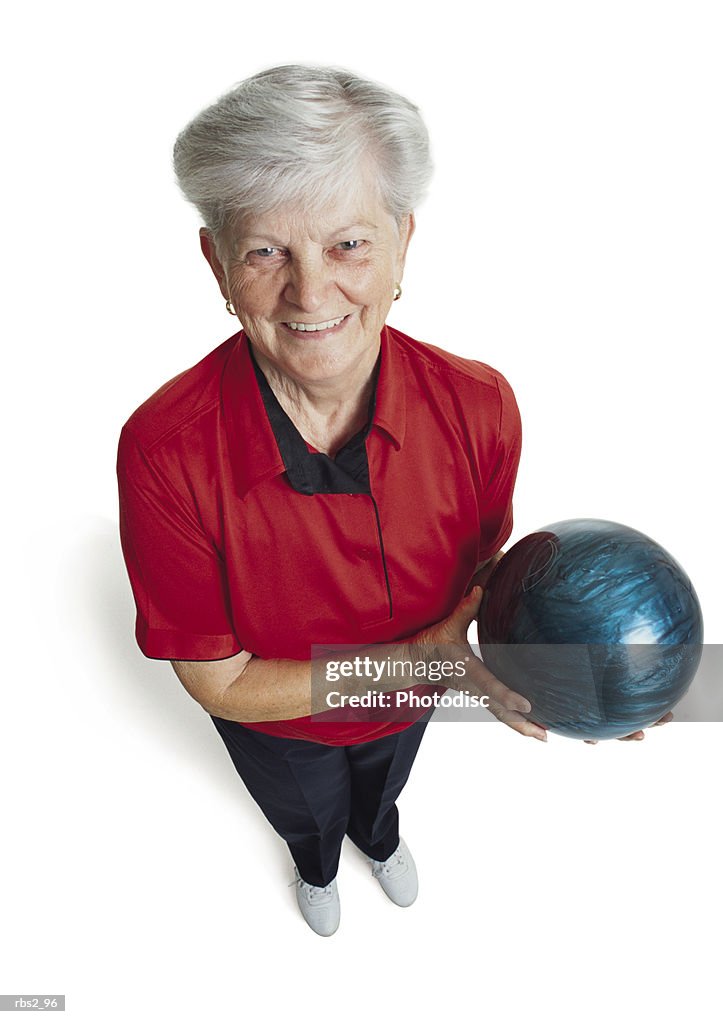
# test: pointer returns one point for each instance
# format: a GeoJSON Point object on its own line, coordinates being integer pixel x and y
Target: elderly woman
{"type": "Point", "coordinates": [320, 478]}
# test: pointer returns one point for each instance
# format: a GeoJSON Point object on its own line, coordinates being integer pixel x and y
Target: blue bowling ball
{"type": "Point", "coordinates": [595, 624]}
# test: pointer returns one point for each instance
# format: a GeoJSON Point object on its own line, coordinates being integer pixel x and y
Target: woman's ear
{"type": "Point", "coordinates": [406, 230]}
{"type": "Point", "coordinates": [209, 250]}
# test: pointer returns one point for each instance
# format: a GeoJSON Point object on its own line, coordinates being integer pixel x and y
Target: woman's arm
{"type": "Point", "coordinates": [245, 688]}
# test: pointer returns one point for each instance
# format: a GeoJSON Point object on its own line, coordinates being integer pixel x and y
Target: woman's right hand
{"type": "Point", "coordinates": [447, 641]}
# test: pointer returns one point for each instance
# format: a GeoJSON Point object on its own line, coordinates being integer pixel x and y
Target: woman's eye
{"type": "Point", "coordinates": [351, 246]}
{"type": "Point", "coordinates": [266, 254]}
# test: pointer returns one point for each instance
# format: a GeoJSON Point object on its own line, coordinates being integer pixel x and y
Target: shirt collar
{"type": "Point", "coordinates": [253, 451]}
{"type": "Point", "coordinates": [391, 407]}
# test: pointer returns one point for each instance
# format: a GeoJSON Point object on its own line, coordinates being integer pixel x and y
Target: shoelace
{"type": "Point", "coordinates": [395, 861]}
{"type": "Point", "coordinates": [312, 891]}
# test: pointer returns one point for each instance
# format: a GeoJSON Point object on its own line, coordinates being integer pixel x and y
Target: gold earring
{"type": "Point", "coordinates": [229, 307]}
{"type": "Point", "coordinates": [397, 291]}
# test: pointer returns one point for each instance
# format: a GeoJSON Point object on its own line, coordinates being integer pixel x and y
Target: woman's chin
{"type": "Point", "coordinates": [322, 368]}
{"type": "Point", "coordinates": [319, 360]}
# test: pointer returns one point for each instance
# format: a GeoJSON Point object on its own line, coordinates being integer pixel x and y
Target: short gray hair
{"type": "Point", "coordinates": [297, 133]}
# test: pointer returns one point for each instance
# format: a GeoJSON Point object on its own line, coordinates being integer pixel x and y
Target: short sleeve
{"type": "Point", "coordinates": [496, 518]}
{"type": "Point", "coordinates": [176, 573]}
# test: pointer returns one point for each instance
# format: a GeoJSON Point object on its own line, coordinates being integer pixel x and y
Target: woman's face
{"type": "Point", "coordinates": [313, 290]}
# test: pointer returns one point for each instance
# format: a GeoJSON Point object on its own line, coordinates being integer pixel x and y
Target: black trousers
{"type": "Point", "coordinates": [314, 794]}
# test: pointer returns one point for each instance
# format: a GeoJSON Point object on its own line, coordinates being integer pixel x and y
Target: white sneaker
{"type": "Point", "coordinates": [398, 876]}
{"type": "Point", "coordinates": [319, 905]}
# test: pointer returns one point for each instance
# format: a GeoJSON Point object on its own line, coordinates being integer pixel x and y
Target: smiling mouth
{"type": "Point", "coordinates": [324, 325]}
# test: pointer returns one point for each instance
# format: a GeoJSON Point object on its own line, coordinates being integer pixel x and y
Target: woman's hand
{"type": "Point", "coordinates": [447, 640]}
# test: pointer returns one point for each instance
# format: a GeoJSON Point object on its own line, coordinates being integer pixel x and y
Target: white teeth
{"type": "Point", "coordinates": [316, 327]}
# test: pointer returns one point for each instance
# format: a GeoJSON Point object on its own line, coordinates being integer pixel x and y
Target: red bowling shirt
{"type": "Point", "coordinates": [225, 553]}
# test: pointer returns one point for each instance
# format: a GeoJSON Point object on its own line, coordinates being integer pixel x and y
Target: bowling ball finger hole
{"type": "Point", "coordinates": [541, 566]}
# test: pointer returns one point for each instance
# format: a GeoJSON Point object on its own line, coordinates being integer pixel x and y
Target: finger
{"type": "Point", "coordinates": [471, 602]}
{"type": "Point", "coordinates": [664, 720]}
{"type": "Point", "coordinates": [496, 690]}
{"type": "Point", "coordinates": [506, 698]}
{"type": "Point", "coordinates": [459, 621]}
{"type": "Point", "coordinates": [639, 735]}
{"type": "Point", "coordinates": [517, 722]}
{"type": "Point", "coordinates": [590, 741]}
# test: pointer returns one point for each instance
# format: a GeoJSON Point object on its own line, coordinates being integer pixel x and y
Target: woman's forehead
{"type": "Point", "coordinates": [357, 211]}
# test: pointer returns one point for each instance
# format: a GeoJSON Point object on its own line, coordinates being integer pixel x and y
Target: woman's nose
{"type": "Point", "coordinates": [308, 285]}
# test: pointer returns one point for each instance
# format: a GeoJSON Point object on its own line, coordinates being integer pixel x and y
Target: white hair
{"type": "Point", "coordinates": [300, 134]}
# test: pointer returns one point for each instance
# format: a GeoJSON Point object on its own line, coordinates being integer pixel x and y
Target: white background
{"type": "Point", "coordinates": [572, 239]}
